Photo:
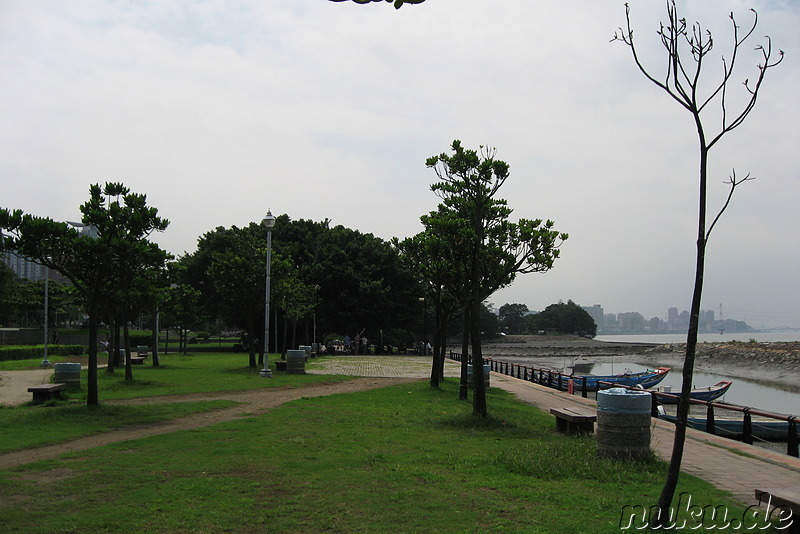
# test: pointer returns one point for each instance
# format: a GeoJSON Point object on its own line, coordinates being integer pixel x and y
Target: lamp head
{"type": "Point", "coordinates": [269, 220]}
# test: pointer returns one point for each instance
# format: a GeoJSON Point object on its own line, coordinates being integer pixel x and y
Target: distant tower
{"type": "Point", "coordinates": [721, 321]}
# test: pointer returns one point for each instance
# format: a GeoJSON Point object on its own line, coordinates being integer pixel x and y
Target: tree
{"type": "Point", "coordinates": [428, 255]}
{"type": "Point", "coordinates": [512, 318]}
{"type": "Point", "coordinates": [566, 318]}
{"type": "Point", "coordinates": [497, 249]}
{"type": "Point", "coordinates": [363, 284]}
{"type": "Point", "coordinates": [239, 278]}
{"type": "Point", "coordinates": [85, 258]}
{"type": "Point", "coordinates": [687, 50]}
{"type": "Point", "coordinates": [346, 280]}
{"type": "Point", "coordinates": [397, 3]}
{"type": "Point", "coordinates": [8, 288]}
{"type": "Point", "coordinates": [179, 307]}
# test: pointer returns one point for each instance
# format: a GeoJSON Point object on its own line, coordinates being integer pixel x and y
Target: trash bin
{"type": "Point", "coordinates": [471, 380]}
{"type": "Point", "coordinates": [69, 374]}
{"type": "Point", "coordinates": [295, 362]}
{"type": "Point", "coordinates": [623, 424]}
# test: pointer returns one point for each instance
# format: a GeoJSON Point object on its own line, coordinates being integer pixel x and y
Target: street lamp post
{"type": "Point", "coordinates": [316, 305]}
{"type": "Point", "coordinates": [269, 222]}
{"type": "Point", "coordinates": [425, 325]}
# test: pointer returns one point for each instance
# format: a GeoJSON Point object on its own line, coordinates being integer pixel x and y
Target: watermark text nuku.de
{"type": "Point", "coordinates": [688, 516]}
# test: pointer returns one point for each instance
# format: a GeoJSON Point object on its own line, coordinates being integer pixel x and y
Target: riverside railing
{"type": "Point", "coordinates": [578, 384]}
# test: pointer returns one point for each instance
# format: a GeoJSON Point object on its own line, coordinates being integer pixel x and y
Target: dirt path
{"type": "Point", "coordinates": [254, 402]}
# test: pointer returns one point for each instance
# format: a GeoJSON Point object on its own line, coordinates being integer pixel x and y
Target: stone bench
{"type": "Point", "coordinates": [574, 420]}
{"type": "Point", "coordinates": [45, 392]}
{"type": "Point", "coordinates": [137, 360]}
{"type": "Point", "coordinates": [786, 498]}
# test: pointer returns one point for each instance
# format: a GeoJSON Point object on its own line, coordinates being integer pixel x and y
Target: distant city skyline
{"type": "Point", "coordinates": [676, 321]}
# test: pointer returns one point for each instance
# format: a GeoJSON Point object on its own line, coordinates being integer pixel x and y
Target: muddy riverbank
{"type": "Point", "coordinates": [774, 364]}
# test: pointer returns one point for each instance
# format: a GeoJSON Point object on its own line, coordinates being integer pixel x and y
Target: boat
{"type": "Point", "coordinates": [706, 394]}
{"type": "Point", "coordinates": [644, 379]}
{"type": "Point", "coordinates": [764, 429]}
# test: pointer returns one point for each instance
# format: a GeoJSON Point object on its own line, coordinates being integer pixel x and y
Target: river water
{"type": "Point", "coordinates": [744, 391]}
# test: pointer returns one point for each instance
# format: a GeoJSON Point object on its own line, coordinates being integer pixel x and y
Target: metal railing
{"type": "Point", "coordinates": [575, 384]}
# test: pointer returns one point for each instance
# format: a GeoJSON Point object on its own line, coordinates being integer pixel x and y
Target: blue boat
{"type": "Point", "coordinates": [765, 429]}
{"type": "Point", "coordinates": [706, 394]}
{"type": "Point", "coordinates": [643, 379]}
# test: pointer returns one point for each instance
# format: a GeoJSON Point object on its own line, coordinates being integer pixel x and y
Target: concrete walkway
{"type": "Point", "coordinates": [727, 464]}
{"type": "Point", "coordinates": [14, 385]}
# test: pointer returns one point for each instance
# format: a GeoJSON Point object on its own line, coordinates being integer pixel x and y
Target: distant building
{"type": "Point", "coordinates": [23, 267]}
{"type": "Point", "coordinates": [596, 313]}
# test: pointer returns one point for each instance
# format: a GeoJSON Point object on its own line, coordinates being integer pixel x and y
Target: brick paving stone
{"type": "Point", "coordinates": [379, 366]}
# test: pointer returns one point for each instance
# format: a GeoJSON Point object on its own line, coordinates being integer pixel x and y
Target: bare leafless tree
{"type": "Point", "coordinates": [687, 50]}
{"type": "Point", "coordinates": [397, 3]}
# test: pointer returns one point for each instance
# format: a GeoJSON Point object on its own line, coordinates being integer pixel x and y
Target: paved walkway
{"type": "Point", "coordinates": [728, 464]}
{"type": "Point", "coordinates": [14, 385]}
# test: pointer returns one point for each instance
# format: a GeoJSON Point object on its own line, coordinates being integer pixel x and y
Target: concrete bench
{"type": "Point", "coordinates": [137, 360]}
{"type": "Point", "coordinates": [786, 498]}
{"type": "Point", "coordinates": [574, 420]}
{"type": "Point", "coordinates": [46, 392]}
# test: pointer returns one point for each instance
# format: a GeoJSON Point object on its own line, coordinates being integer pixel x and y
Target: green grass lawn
{"type": "Point", "coordinates": [27, 427]}
{"type": "Point", "coordinates": [399, 459]}
{"type": "Point", "coordinates": [180, 374]}
{"type": "Point", "coordinates": [35, 426]}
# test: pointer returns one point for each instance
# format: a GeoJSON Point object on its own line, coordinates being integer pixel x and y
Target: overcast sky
{"type": "Point", "coordinates": [219, 110]}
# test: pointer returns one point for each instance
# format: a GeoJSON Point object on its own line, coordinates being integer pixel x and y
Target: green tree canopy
{"type": "Point", "coordinates": [491, 249]}
{"type": "Point", "coordinates": [566, 318]}
{"type": "Point", "coordinates": [353, 281]}
{"type": "Point", "coordinates": [113, 219]}
{"type": "Point", "coordinates": [512, 318]}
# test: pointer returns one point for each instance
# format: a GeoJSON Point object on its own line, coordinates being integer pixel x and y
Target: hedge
{"type": "Point", "coordinates": [29, 352]}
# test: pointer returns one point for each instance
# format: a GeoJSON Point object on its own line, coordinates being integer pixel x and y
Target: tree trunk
{"type": "Point", "coordinates": [117, 340]}
{"type": "Point", "coordinates": [91, 387]}
{"type": "Point", "coordinates": [154, 350]}
{"type": "Point", "coordinates": [479, 395]}
{"type": "Point", "coordinates": [463, 390]}
{"type": "Point", "coordinates": [442, 342]}
{"type": "Point", "coordinates": [251, 344]}
{"type": "Point", "coordinates": [285, 335]}
{"type": "Point", "coordinates": [673, 473]}
{"type": "Point", "coordinates": [112, 351]}
{"type": "Point", "coordinates": [435, 373]}
{"type": "Point", "coordinates": [127, 343]}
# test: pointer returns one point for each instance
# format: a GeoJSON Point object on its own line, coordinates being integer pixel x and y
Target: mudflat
{"type": "Point", "coordinates": [777, 364]}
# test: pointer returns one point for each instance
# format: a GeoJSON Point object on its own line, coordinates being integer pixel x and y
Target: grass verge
{"type": "Point", "coordinates": [45, 425]}
{"type": "Point", "coordinates": [34, 426]}
{"type": "Point", "coordinates": [399, 459]}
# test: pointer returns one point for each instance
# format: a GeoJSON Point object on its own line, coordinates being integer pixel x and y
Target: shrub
{"type": "Point", "coordinates": [29, 352]}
